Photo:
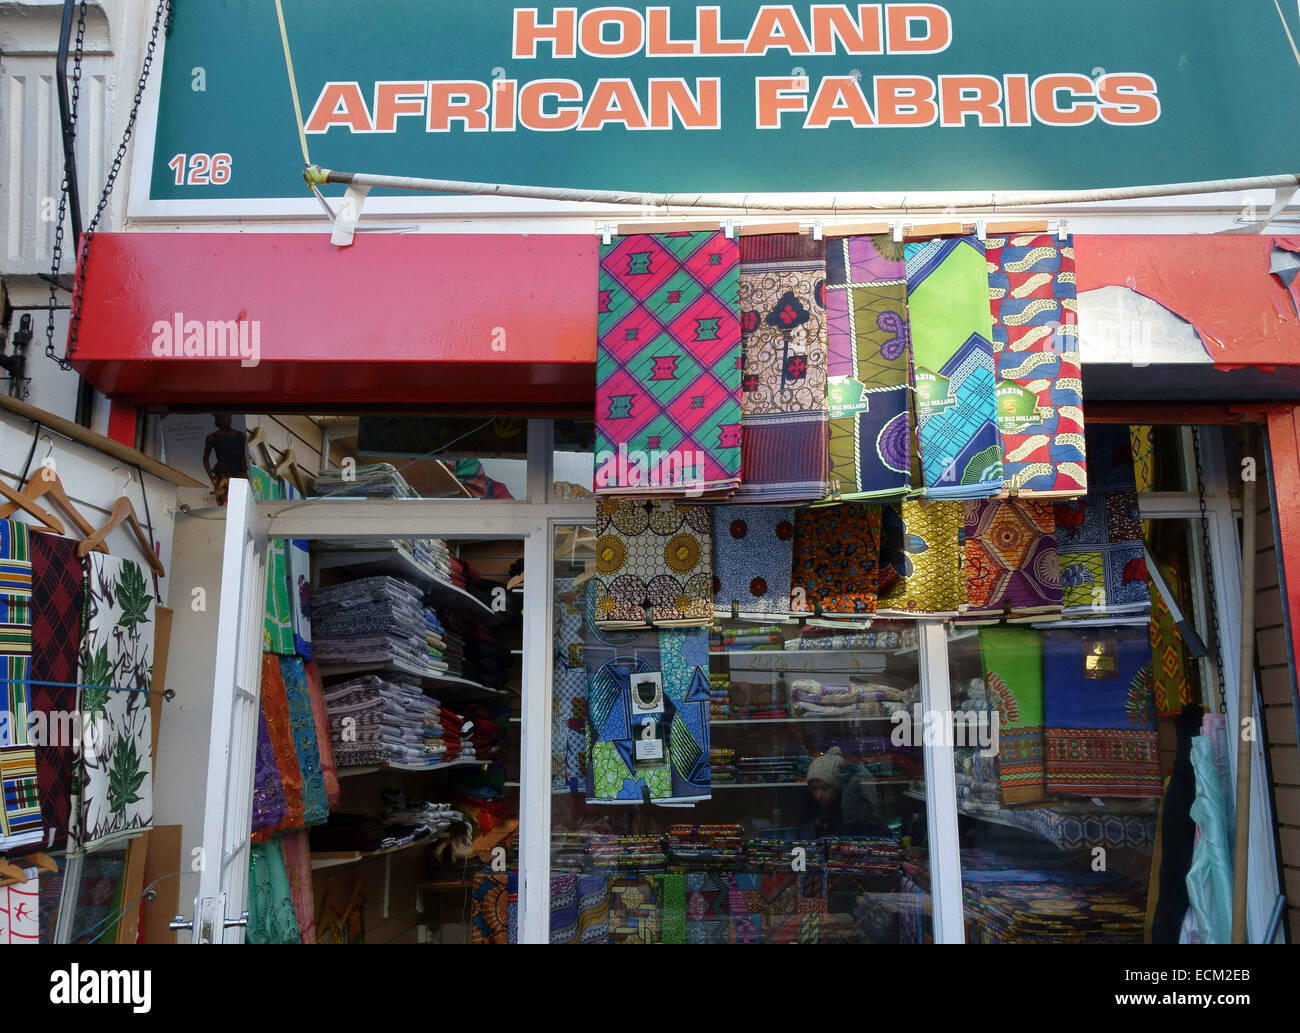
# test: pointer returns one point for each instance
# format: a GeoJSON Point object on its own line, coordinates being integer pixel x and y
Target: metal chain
{"type": "Point", "coordinates": [74, 324]}
{"type": "Point", "coordinates": [1207, 559]}
{"type": "Point", "coordinates": [57, 252]}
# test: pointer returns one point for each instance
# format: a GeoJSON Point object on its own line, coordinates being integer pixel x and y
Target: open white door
{"type": "Point", "coordinates": [228, 803]}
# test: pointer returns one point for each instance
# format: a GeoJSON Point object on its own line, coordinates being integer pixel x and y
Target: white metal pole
{"type": "Point", "coordinates": [921, 201]}
{"type": "Point", "coordinates": [940, 787]}
{"type": "Point", "coordinates": [535, 744]}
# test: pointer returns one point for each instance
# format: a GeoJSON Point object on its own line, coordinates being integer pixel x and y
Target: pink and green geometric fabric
{"type": "Point", "coordinates": [952, 354]}
{"type": "Point", "coordinates": [869, 351]}
{"type": "Point", "coordinates": [668, 366]}
{"type": "Point", "coordinates": [1036, 344]}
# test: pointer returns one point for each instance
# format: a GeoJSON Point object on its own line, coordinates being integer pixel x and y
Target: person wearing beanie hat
{"type": "Point", "coordinates": [827, 812]}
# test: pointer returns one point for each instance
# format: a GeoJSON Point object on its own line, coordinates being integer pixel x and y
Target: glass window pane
{"type": "Point", "coordinates": [791, 814]}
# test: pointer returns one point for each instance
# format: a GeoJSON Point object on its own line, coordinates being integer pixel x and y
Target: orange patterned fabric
{"type": "Point", "coordinates": [275, 705]}
{"type": "Point", "coordinates": [324, 743]}
{"type": "Point", "coordinates": [835, 560]}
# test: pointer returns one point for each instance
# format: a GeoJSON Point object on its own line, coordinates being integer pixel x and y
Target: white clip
{"type": "Point", "coordinates": [896, 228]}
{"type": "Point", "coordinates": [606, 234]}
{"type": "Point", "coordinates": [982, 229]}
{"type": "Point", "coordinates": [345, 223]}
{"type": "Point", "coordinates": [1063, 229]}
{"type": "Point", "coordinates": [729, 229]}
{"type": "Point", "coordinates": [817, 229]}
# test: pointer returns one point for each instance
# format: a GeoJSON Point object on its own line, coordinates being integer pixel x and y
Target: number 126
{"type": "Point", "coordinates": [204, 169]}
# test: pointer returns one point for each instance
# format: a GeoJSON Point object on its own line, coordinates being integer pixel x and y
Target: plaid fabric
{"type": "Point", "coordinates": [20, 817]}
{"type": "Point", "coordinates": [668, 365]}
{"type": "Point", "coordinates": [15, 631]}
{"type": "Point", "coordinates": [58, 593]}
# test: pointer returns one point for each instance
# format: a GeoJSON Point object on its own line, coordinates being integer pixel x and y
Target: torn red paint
{"type": "Point", "coordinates": [1219, 284]}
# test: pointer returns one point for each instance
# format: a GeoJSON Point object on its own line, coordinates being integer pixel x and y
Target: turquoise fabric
{"type": "Point", "coordinates": [315, 806]}
{"type": "Point", "coordinates": [1209, 880]}
{"type": "Point", "coordinates": [271, 918]}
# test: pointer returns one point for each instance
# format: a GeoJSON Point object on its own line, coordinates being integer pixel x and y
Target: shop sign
{"type": "Point", "coordinates": [743, 97]}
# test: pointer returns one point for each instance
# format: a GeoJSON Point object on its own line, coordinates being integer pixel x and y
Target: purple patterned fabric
{"type": "Point", "coordinates": [268, 793]}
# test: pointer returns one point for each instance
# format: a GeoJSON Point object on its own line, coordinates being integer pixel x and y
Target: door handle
{"type": "Point", "coordinates": [242, 920]}
{"type": "Point", "coordinates": [179, 922]}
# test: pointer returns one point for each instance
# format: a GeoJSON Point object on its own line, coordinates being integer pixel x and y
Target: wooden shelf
{"type": "Point", "coordinates": [887, 780]}
{"type": "Point", "coordinates": [370, 769]}
{"type": "Point", "coordinates": [397, 667]}
{"type": "Point", "coordinates": [715, 722]}
{"type": "Point", "coordinates": [335, 858]}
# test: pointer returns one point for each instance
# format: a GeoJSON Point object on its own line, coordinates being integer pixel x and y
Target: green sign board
{"type": "Point", "coordinates": [739, 97]}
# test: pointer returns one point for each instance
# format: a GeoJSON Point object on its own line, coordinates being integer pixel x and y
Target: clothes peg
{"type": "Point", "coordinates": [982, 229]}
{"type": "Point", "coordinates": [896, 231]}
{"type": "Point", "coordinates": [606, 233]}
{"type": "Point", "coordinates": [729, 229]}
{"type": "Point", "coordinates": [1063, 229]}
{"type": "Point", "coordinates": [818, 228]}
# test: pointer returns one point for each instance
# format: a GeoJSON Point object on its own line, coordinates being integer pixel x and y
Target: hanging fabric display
{"type": "Point", "coordinates": [296, 848]}
{"type": "Point", "coordinates": [1100, 737]}
{"type": "Point", "coordinates": [117, 743]}
{"type": "Point", "coordinates": [20, 910]}
{"type": "Point", "coordinates": [325, 743]}
{"type": "Point", "coordinates": [1012, 659]}
{"type": "Point", "coordinates": [925, 559]}
{"type": "Point", "coordinates": [835, 553]}
{"type": "Point", "coordinates": [653, 564]}
{"type": "Point", "coordinates": [649, 713]}
{"type": "Point", "coordinates": [1012, 566]}
{"type": "Point", "coordinates": [569, 709]}
{"type": "Point", "coordinates": [20, 809]}
{"type": "Point", "coordinates": [271, 917]}
{"type": "Point", "coordinates": [277, 635]}
{"type": "Point", "coordinates": [783, 387]}
{"type": "Point", "coordinates": [868, 355]}
{"type": "Point", "coordinates": [279, 727]}
{"type": "Point", "coordinates": [269, 804]}
{"type": "Point", "coordinates": [753, 551]}
{"type": "Point", "coordinates": [303, 723]}
{"type": "Point", "coordinates": [1169, 657]}
{"type": "Point", "coordinates": [668, 366]}
{"type": "Point", "coordinates": [1099, 538]}
{"type": "Point", "coordinates": [952, 357]}
{"type": "Point", "coordinates": [1039, 378]}
{"type": "Point", "coordinates": [58, 593]}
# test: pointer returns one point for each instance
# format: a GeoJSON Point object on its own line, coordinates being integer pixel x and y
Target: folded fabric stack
{"type": "Point", "coordinates": [479, 794]}
{"type": "Point", "coordinates": [372, 620]}
{"type": "Point", "coordinates": [705, 847]}
{"type": "Point", "coordinates": [811, 698]}
{"type": "Point", "coordinates": [722, 763]}
{"type": "Point", "coordinates": [719, 696]}
{"type": "Point", "coordinates": [758, 701]}
{"type": "Point", "coordinates": [769, 854]}
{"type": "Point", "coordinates": [1108, 909]}
{"type": "Point", "coordinates": [784, 768]}
{"type": "Point", "coordinates": [862, 855]}
{"type": "Point", "coordinates": [757, 637]}
{"type": "Point", "coordinates": [826, 638]}
{"type": "Point", "coordinates": [457, 735]}
{"type": "Point", "coordinates": [490, 729]}
{"type": "Point", "coordinates": [407, 820]}
{"type": "Point", "coordinates": [568, 851]}
{"type": "Point", "coordinates": [344, 832]}
{"type": "Point", "coordinates": [374, 721]}
{"type": "Point", "coordinates": [369, 480]}
{"type": "Point", "coordinates": [636, 852]}
{"type": "Point", "coordinates": [429, 554]}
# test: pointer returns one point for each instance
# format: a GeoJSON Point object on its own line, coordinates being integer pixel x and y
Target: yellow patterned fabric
{"type": "Point", "coordinates": [929, 563]}
{"type": "Point", "coordinates": [654, 564]}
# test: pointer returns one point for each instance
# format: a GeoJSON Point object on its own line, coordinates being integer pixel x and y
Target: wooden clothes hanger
{"type": "Point", "coordinates": [46, 482]}
{"type": "Point", "coordinates": [11, 874]}
{"type": "Point", "coordinates": [48, 521]}
{"type": "Point", "coordinates": [122, 511]}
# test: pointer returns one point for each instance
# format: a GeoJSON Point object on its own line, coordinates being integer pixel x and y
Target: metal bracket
{"type": "Point", "coordinates": [349, 214]}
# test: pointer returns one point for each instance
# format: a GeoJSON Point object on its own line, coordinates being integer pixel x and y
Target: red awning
{"type": "Point", "coordinates": [417, 320]}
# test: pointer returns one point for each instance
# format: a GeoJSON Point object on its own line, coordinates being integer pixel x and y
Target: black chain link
{"type": "Point", "coordinates": [1207, 560]}
{"type": "Point", "coordinates": [161, 15]}
{"type": "Point", "coordinates": [57, 252]}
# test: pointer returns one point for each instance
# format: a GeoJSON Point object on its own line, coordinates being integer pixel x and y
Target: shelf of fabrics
{"type": "Point", "coordinates": [332, 859]}
{"type": "Point", "coordinates": [397, 563]}
{"type": "Point", "coordinates": [408, 671]}
{"type": "Point", "coordinates": [370, 769]}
